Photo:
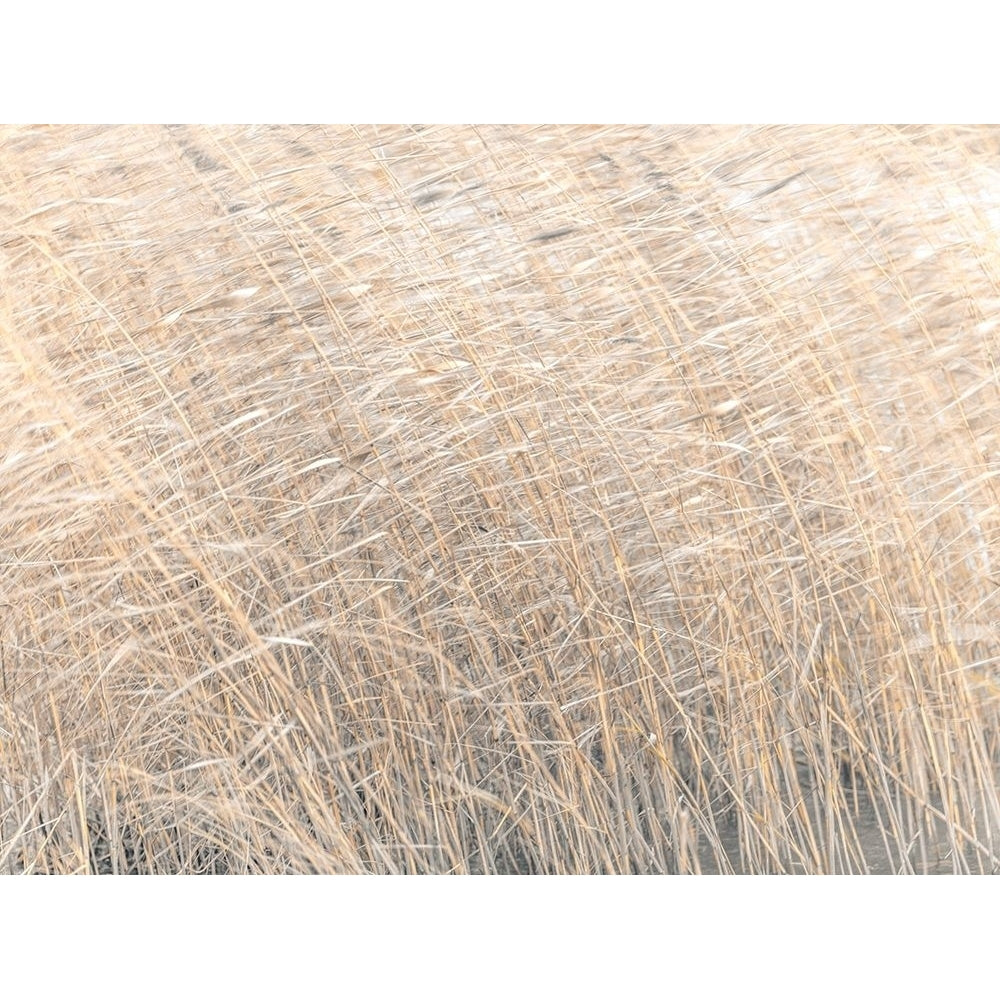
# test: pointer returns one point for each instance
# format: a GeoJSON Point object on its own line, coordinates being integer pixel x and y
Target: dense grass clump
{"type": "Point", "coordinates": [523, 500]}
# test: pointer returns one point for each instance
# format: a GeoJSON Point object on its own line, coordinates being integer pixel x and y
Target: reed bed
{"type": "Point", "coordinates": [499, 500]}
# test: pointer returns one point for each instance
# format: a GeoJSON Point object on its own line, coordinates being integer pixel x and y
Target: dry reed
{"type": "Point", "coordinates": [524, 500]}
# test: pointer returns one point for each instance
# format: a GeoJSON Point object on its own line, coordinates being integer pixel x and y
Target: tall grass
{"type": "Point", "coordinates": [524, 500]}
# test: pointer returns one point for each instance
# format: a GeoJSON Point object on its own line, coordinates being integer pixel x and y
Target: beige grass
{"type": "Point", "coordinates": [499, 500]}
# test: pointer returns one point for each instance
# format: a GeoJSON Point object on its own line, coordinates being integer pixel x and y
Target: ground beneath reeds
{"type": "Point", "coordinates": [502, 499]}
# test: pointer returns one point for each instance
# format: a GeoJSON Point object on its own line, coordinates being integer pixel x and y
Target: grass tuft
{"type": "Point", "coordinates": [499, 500]}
